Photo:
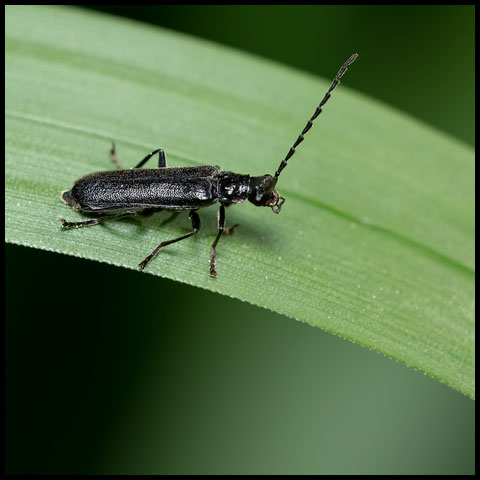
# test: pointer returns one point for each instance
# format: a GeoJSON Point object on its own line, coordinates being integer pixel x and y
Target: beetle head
{"type": "Point", "coordinates": [262, 193]}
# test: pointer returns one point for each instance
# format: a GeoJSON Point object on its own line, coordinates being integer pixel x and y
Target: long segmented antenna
{"type": "Point", "coordinates": [309, 124]}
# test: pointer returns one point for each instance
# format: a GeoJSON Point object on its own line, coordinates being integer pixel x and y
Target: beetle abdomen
{"type": "Point", "coordinates": [179, 188]}
{"type": "Point", "coordinates": [66, 197]}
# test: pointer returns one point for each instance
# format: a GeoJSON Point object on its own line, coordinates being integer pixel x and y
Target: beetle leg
{"type": "Point", "coordinates": [195, 228]}
{"type": "Point", "coordinates": [162, 161]}
{"type": "Point", "coordinates": [230, 230]}
{"type": "Point", "coordinates": [96, 221]}
{"type": "Point", "coordinates": [114, 157]}
{"type": "Point", "coordinates": [161, 158]}
{"type": "Point", "coordinates": [221, 228]}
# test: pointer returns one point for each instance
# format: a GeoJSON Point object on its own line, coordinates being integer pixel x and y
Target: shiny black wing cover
{"type": "Point", "coordinates": [171, 188]}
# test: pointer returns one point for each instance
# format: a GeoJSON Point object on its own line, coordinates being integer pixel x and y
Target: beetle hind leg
{"type": "Point", "coordinates": [113, 156]}
{"type": "Point", "coordinates": [96, 221]}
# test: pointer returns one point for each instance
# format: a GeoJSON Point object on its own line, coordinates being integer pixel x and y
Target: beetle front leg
{"type": "Point", "coordinates": [230, 230]}
{"type": "Point", "coordinates": [213, 251]}
{"type": "Point", "coordinates": [221, 229]}
{"type": "Point", "coordinates": [195, 228]}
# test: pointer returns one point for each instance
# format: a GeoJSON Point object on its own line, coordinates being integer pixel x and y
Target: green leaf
{"type": "Point", "coordinates": [375, 242]}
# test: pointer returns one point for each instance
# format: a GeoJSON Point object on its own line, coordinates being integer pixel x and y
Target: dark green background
{"type": "Point", "coordinates": [145, 375]}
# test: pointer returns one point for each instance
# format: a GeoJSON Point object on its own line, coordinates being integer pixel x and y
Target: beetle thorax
{"type": "Point", "coordinates": [232, 187]}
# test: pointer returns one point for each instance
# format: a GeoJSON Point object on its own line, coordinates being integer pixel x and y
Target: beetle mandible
{"type": "Point", "coordinates": [142, 192]}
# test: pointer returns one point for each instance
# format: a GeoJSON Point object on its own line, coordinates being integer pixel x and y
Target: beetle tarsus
{"type": "Point", "coordinates": [142, 265]}
{"type": "Point", "coordinates": [230, 230]}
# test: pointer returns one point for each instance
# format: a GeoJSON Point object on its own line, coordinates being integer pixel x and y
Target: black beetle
{"type": "Point", "coordinates": [142, 192]}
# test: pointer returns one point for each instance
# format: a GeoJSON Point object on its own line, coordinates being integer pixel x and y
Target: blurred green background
{"type": "Point", "coordinates": [420, 59]}
{"type": "Point", "coordinates": [146, 375]}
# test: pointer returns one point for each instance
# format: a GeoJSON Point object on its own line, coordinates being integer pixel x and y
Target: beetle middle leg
{"type": "Point", "coordinates": [195, 228]}
{"type": "Point", "coordinates": [162, 160]}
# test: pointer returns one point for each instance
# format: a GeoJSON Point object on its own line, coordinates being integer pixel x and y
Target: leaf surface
{"type": "Point", "coordinates": [375, 242]}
